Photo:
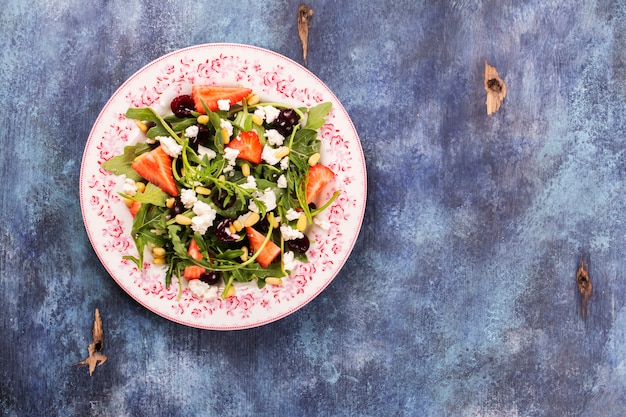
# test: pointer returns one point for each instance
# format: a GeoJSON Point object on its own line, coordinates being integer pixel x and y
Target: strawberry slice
{"type": "Point", "coordinates": [156, 167]}
{"type": "Point", "coordinates": [270, 251]}
{"type": "Point", "coordinates": [194, 250]}
{"type": "Point", "coordinates": [193, 271]}
{"type": "Point", "coordinates": [134, 207]}
{"type": "Point", "coordinates": [249, 146]}
{"type": "Point", "coordinates": [319, 176]}
{"type": "Point", "coordinates": [211, 94]}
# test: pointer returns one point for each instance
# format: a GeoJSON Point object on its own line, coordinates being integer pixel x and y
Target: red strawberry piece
{"type": "Point", "coordinates": [193, 271]}
{"type": "Point", "coordinates": [156, 167]}
{"type": "Point", "coordinates": [134, 207]}
{"type": "Point", "coordinates": [319, 176]}
{"type": "Point", "coordinates": [249, 146]}
{"type": "Point", "coordinates": [194, 250]}
{"type": "Point", "coordinates": [211, 94]}
{"type": "Point", "coordinates": [269, 252]}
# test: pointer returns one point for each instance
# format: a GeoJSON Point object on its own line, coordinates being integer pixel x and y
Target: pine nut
{"type": "Point", "coordinates": [273, 220]}
{"type": "Point", "coordinates": [314, 159]}
{"type": "Point", "coordinates": [245, 169]}
{"type": "Point", "coordinates": [182, 220]}
{"type": "Point", "coordinates": [274, 281]}
{"type": "Point", "coordinates": [203, 190]}
{"type": "Point", "coordinates": [281, 152]}
{"type": "Point", "coordinates": [225, 137]}
{"type": "Point", "coordinates": [257, 120]}
{"type": "Point", "coordinates": [158, 261]}
{"type": "Point", "coordinates": [244, 257]}
{"type": "Point", "coordinates": [169, 203]}
{"type": "Point", "coordinates": [158, 252]}
{"type": "Point", "coordinates": [141, 187]}
{"type": "Point", "coordinates": [253, 99]}
{"type": "Point", "coordinates": [203, 119]}
{"type": "Point", "coordinates": [238, 225]}
{"type": "Point", "coordinates": [301, 224]}
{"type": "Point", "coordinates": [142, 126]}
{"type": "Point", "coordinates": [252, 219]}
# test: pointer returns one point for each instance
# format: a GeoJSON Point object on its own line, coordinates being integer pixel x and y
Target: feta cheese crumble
{"type": "Point", "coordinates": [230, 155]}
{"type": "Point", "coordinates": [130, 187]}
{"type": "Point", "coordinates": [223, 104]}
{"type": "Point", "coordinates": [282, 181]}
{"type": "Point", "coordinates": [192, 131]}
{"type": "Point", "coordinates": [293, 214]}
{"type": "Point", "coordinates": [205, 215]}
{"type": "Point", "coordinates": [200, 224]}
{"type": "Point", "coordinates": [170, 146]}
{"type": "Point", "coordinates": [203, 290]}
{"type": "Point", "coordinates": [289, 261]}
{"type": "Point", "coordinates": [269, 155]}
{"type": "Point", "coordinates": [203, 150]}
{"type": "Point", "coordinates": [267, 197]}
{"type": "Point", "coordinates": [200, 208]}
{"type": "Point", "coordinates": [284, 163]}
{"type": "Point", "coordinates": [274, 137]}
{"type": "Point", "coordinates": [250, 183]}
{"type": "Point", "coordinates": [271, 113]}
{"type": "Point", "coordinates": [289, 233]}
{"type": "Point", "coordinates": [321, 223]}
{"type": "Point", "coordinates": [188, 197]}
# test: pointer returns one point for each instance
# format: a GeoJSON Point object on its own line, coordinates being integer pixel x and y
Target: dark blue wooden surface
{"type": "Point", "coordinates": [460, 296]}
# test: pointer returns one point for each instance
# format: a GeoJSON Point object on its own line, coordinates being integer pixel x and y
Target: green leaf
{"type": "Point", "coordinates": [179, 247]}
{"type": "Point", "coordinates": [152, 195]}
{"type": "Point", "coordinates": [144, 114]}
{"type": "Point", "coordinates": [317, 115]}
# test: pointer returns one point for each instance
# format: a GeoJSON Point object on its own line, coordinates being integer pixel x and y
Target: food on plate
{"type": "Point", "coordinates": [224, 187]}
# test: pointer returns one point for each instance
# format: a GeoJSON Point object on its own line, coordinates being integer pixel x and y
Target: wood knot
{"type": "Point", "coordinates": [583, 281]}
{"type": "Point", "coordinates": [495, 88]}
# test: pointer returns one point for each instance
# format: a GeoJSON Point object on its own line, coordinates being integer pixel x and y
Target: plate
{"type": "Point", "coordinates": [108, 221]}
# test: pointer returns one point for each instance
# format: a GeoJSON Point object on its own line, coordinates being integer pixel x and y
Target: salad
{"type": "Point", "coordinates": [222, 190]}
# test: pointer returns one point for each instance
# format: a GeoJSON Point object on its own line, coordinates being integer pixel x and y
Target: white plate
{"type": "Point", "coordinates": [108, 221]}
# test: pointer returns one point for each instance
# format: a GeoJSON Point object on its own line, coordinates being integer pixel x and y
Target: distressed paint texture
{"type": "Point", "coordinates": [460, 297]}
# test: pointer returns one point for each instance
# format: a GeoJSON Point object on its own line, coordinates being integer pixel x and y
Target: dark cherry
{"type": "Point", "coordinates": [220, 199]}
{"type": "Point", "coordinates": [202, 138]}
{"type": "Point", "coordinates": [178, 207]}
{"type": "Point", "coordinates": [285, 121]}
{"type": "Point", "coordinates": [222, 231]}
{"type": "Point", "coordinates": [182, 106]}
{"type": "Point", "coordinates": [263, 226]}
{"type": "Point", "coordinates": [211, 277]}
{"type": "Point", "coordinates": [300, 245]}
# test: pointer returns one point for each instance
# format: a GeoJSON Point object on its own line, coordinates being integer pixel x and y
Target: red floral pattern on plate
{"type": "Point", "coordinates": [108, 222]}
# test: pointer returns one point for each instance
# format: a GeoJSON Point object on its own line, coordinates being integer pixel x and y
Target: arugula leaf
{"type": "Point", "coordinates": [152, 195]}
{"type": "Point", "coordinates": [177, 125]}
{"type": "Point", "coordinates": [317, 114]}
{"type": "Point", "coordinates": [144, 114]}
{"type": "Point", "coordinates": [179, 247]}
